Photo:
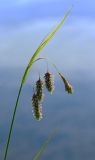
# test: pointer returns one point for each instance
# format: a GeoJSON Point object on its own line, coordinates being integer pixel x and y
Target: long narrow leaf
{"type": "Point", "coordinates": [47, 39]}
{"type": "Point", "coordinates": [45, 145]}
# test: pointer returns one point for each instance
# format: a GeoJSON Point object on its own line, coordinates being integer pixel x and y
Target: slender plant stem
{"type": "Point", "coordinates": [11, 126]}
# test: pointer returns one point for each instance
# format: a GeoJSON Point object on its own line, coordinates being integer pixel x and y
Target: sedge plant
{"type": "Point", "coordinates": [38, 91]}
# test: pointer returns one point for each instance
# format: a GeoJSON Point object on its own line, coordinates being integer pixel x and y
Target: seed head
{"type": "Point", "coordinates": [39, 89]}
{"type": "Point", "coordinates": [49, 82]}
{"type": "Point", "coordinates": [68, 87]}
{"type": "Point", "coordinates": [38, 112]}
{"type": "Point", "coordinates": [35, 101]}
{"type": "Point", "coordinates": [37, 109]}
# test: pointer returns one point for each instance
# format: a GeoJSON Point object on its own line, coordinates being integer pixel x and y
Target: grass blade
{"type": "Point", "coordinates": [45, 145]}
{"type": "Point", "coordinates": [47, 39]}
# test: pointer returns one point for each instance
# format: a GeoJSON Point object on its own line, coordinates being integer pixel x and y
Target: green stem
{"type": "Point", "coordinates": [11, 127]}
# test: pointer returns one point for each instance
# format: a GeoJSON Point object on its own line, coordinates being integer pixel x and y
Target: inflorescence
{"type": "Point", "coordinates": [49, 82]}
{"type": "Point", "coordinates": [38, 96]}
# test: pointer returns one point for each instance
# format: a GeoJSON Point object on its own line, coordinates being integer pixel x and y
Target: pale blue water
{"type": "Point", "coordinates": [73, 116]}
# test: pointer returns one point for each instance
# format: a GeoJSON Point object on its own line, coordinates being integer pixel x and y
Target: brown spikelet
{"type": "Point", "coordinates": [49, 82]}
{"type": "Point", "coordinates": [38, 113]}
{"type": "Point", "coordinates": [37, 109]}
{"type": "Point", "coordinates": [68, 86]}
{"type": "Point", "coordinates": [39, 89]}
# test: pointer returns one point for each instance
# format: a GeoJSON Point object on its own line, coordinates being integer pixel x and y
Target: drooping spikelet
{"type": "Point", "coordinates": [68, 86]}
{"type": "Point", "coordinates": [39, 89]}
{"type": "Point", "coordinates": [37, 109]}
{"type": "Point", "coordinates": [38, 113]}
{"type": "Point", "coordinates": [49, 82]}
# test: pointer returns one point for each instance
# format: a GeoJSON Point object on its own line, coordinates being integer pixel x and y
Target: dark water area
{"type": "Point", "coordinates": [73, 117]}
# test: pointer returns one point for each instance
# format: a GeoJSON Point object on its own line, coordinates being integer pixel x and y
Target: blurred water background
{"type": "Point", "coordinates": [23, 24]}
